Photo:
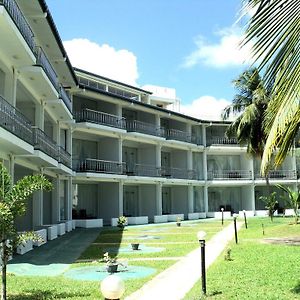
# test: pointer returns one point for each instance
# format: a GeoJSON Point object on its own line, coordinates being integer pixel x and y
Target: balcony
{"type": "Point", "coordinates": [221, 141]}
{"type": "Point", "coordinates": [20, 21]}
{"type": "Point", "coordinates": [178, 135]}
{"type": "Point", "coordinates": [142, 127]}
{"type": "Point", "coordinates": [44, 143]}
{"type": "Point", "coordinates": [229, 175]}
{"type": "Point", "coordinates": [98, 166]}
{"type": "Point", "coordinates": [15, 122]}
{"type": "Point", "coordinates": [44, 62]}
{"type": "Point", "coordinates": [142, 170]}
{"type": "Point", "coordinates": [279, 174]}
{"type": "Point", "coordinates": [178, 173]}
{"type": "Point", "coordinates": [88, 115]}
{"type": "Point", "coordinates": [65, 98]}
{"type": "Point", "coordinates": [64, 157]}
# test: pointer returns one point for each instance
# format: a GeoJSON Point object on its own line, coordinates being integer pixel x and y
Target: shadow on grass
{"type": "Point", "coordinates": [45, 295]}
{"type": "Point", "coordinates": [296, 289]}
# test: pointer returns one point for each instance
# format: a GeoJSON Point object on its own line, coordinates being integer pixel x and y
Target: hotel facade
{"type": "Point", "coordinates": [111, 149]}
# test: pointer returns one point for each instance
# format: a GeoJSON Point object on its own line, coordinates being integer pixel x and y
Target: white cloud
{"type": "Point", "coordinates": [205, 108]}
{"type": "Point", "coordinates": [225, 53]}
{"type": "Point", "coordinates": [103, 60]}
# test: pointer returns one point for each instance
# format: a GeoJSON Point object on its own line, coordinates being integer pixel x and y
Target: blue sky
{"type": "Point", "coordinates": [187, 45]}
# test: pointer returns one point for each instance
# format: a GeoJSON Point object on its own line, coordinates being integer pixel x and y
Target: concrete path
{"type": "Point", "coordinates": [176, 281]}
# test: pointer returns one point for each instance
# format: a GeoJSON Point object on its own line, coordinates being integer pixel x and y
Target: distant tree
{"type": "Point", "coordinates": [270, 202]}
{"type": "Point", "coordinates": [293, 200]}
{"type": "Point", "coordinates": [12, 205]}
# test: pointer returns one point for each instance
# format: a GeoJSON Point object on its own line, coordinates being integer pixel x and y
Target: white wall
{"type": "Point", "coordinates": [147, 201]}
{"type": "Point", "coordinates": [179, 199]}
{"type": "Point", "coordinates": [179, 159]}
{"type": "Point", "coordinates": [199, 199]}
{"type": "Point", "coordinates": [108, 149]}
{"type": "Point", "coordinates": [147, 155]}
{"type": "Point", "coordinates": [88, 198]}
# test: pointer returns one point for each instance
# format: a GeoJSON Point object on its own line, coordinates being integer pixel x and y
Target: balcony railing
{"type": "Point", "coordinates": [44, 143]}
{"type": "Point", "coordinates": [64, 157]}
{"type": "Point", "coordinates": [142, 127]}
{"type": "Point", "coordinates": [65, 98]}
{"type": "Point", "coordinates": [98, 166]}
{"type": "Point", "coordinates": [278, 174]}
{"type": "Point", "coordinates": [221, 141]}
{"type": "Point", "coordinates": [91, 83]}
{"type": "Point", "coordinates": [44, 62]}
{"type": "Point", "coordinates": [142, 170]}
{"type": "Point", "coordinates": [15, 122]}
{"type": "Point", "coordinates": [178, 135]}
{"type": "Point", "coordinates": [93, 116]}
{"type": "Point", "coordinates": [229, 175]}
{"type": "Point", "coordinates": [178, 173]}
{"type": "Point", "coordinates": [20, 21]}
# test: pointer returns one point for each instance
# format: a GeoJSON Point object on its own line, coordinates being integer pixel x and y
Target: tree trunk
{"type": "Point", "coordinates": [4, 264]}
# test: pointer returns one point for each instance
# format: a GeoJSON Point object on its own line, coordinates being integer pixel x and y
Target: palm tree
{"type": "Point", "coordinates": [13, 204]}
{"type": "Point", "coordinates": [275, 31]}
{"type": "Point", "coordinates": [250, 104]}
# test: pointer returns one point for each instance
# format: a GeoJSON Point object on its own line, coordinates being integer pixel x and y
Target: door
{"type": "Point", "coordinates": [130, 158]}
{"type": "Point", "coordinates": [166, 164]}
{"type": "Point", "coordinates": [166, 201]}
{"type": "Point", "coordinates": [130, 204]}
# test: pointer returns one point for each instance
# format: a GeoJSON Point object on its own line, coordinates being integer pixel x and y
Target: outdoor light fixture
{"type": "Point", "coordinates": [222, 210]}
{"type": "Point", "coordinates": [245, 219]}
{"type": "Point", "coordinates": [200, 236]}
{"type": "Point", "coordinates": [235, 230]}
{"type": "Point", "coordinates": [112, 287]}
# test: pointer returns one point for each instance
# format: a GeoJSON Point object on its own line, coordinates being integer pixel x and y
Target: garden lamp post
{"type": "Point", "coordinates": [200, 236]}
{"type": "Point", "coordinates": [222, 210]}
{"type": "Point", "coordinates": [245, 219]}
{"type": "Point", "coordinates": [112, 287]}
{"type": "Point", "coordinates": [235, 229]}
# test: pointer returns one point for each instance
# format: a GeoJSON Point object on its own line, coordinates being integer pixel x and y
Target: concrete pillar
{"type": "Point", "coordinates": [56, 133]}
{"type": "Point", "coordinates": [204, 135]}
{"type": "Point", "coordinates": [14, 88]}
{"type": "Point", "coordinates": [158, 199]}
{"type": "Point", "coordinates": [121, 210]}
{"type": "Point", "coordinates": [253, 197]}
{"type": "Point", "coordinates": [205, 165]}
{"type": "Point", "coordinates": [157, 121]}
{"type": "Point", "coordinates": [37, 207]}
{"type": "Point", "coordinates": [190, 199]}
{"type": "Point", "coordinates": [68, 140]}
{"type": "Point", "coordinates": [55, 201]}
{"type": "Point", "coordinates": [119, 111]}
{"type": "Point", "coordinates": [39, 116]}
{"type": "Point", "coordinates": [120, 150]}
{"type": "Point", "coordinates": [69, 199]}
{"type": "Point", "coordinates": [189, 160]}
{"type": "Point", "coordinates": [205, 190]}
{"type": "Point", "coordinates": [12, 167]}
{"type": "Point", "coordinates": [158, 156]}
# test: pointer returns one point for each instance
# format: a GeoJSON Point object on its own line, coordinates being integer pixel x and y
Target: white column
{"type": "Point", "coordinates": [205, 165]}
{"type": "Point", "coordinates": [39, 116]}
{"type": "Point", "coordinates": [69, 140]}
{"type": "Point", "coordinates": [189, 129]}
{"type": "Point", "coordinates": [121, 210]}
{"type": "Point", "coordinates": [120, 150]}
{"type": "Point", "coordinates": [119, 111]}
{"type": "Point", "coordinates": [253, 197]}
{"type": "Point", "coordinates": [158, 199]}
{"type": "Point", "coordinates": [55, 201]}
{"type": "Point", "coordinates": [204, 135]}
{"type": "Point", "coordinates": [12, 167]}
{"type": "Point", "coordinates": [158, 156]}
{"type": "Point", "coordinates": [205, 190]}
{"type": "Point", "coordinates": [14, 87]}
{"type": "Point", "coordinates": [191, 199]}
{"type": "Point", "coordinates": [189, 160]}
{"type": "Point", "coordinates": [69, 198]}
{"type": "Point", "coordinates": [56, 133]}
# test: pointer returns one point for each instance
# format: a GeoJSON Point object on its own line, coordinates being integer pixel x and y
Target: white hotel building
{"type": "Point", "coordinates": [110, 149]}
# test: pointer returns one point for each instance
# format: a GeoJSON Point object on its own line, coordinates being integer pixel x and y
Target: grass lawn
{"type": "Point", "coordinates": [177, 241]}
{"type": "Point", "coordinates": [257, 270]}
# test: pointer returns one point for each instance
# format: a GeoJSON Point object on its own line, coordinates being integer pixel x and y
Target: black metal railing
{"type": "Point", "coordinates": [143, 127]}
{"type": "Point", "coordinates": [179, 173]}
{"type": "Point", "coordinates": [229, 175]}
{"type": "Point", "coordinates": [143, 170]}
{"type": "Point", "coordinates": [20, 21]}
{"type": "Point", "coordinates": [64, 157]}
{"type": "Point", "coordinates": [43, 61]}
{"type": "Point", "coordinates": [15, 122]}
{"type": "Point", "coordinates": [178, 135]}
{"type": "Point", "coordinates": [91, 83]}
{"type": "Point", "coordinates": [196, 140]}
{"type": "Point", "coordinates": [278, 174]}
{"type": "Point", "coordinates": [44, 143]}
{"type": "Point", "coordinates": [221, 141]}
{"type": "Point", "coordinates": [98, 166]}
{"type": "Point", "coordinates": [93, 116]}
{"type": "Point", "coordinates": [65, 98]}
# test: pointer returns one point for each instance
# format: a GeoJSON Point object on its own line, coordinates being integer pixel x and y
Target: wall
{"type": "Point", "coordinates": [147, 201]}
{"type": "Point", "coordinates": [179, 159]}
{"type": "Point", "coordinates": [179, 199]}
{"type": "Point", "coordinates": [88, 199]}
{"type": "Point", "coordinates": [199, 199]}
{"type": "Point", "coordinates": [108, 149]}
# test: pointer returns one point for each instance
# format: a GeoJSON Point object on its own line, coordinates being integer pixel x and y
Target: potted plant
{"type": "Point", "coordinates": [122, 222]}
{"type": "Point", "coordinates": [111, 263]}
{"type": "Point", "coordinates": [135, 245]}
{"type": "Point", "coordinates": [178, 221]}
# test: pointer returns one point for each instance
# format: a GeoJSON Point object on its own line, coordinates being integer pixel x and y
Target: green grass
{"type": "Point", "coordinates": [258, 270]}
{"type": "Point", "coordinates": [42, 288]}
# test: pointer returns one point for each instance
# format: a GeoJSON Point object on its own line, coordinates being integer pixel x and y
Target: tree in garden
{"type": "Point", "coordinates": [250, 104]}
{"type": "Point", "coordinates": [274, 29]}
{"type": "Point", "coordinates": [271, 203]}
{"type": "Point", "coordinates": [12, 205]}
{"type": "Point", "coordinates": [293, 200]}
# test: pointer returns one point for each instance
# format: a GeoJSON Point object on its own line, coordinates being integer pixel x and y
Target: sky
{"type": "Point", "coordinates": [189, 45]}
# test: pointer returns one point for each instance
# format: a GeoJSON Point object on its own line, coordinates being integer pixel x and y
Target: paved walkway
{"type": "Point", "coordinates": [176, 281]}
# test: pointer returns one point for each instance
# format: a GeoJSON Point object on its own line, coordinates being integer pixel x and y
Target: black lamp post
{"type": "Point", "coordinates": [222, 210]}
{"type": "Point", "coordinates": [245, 219]}
{"type": "Point", "coordinates": [235, 229]}
{"type": "Point", "coordinates": [200, 236]}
